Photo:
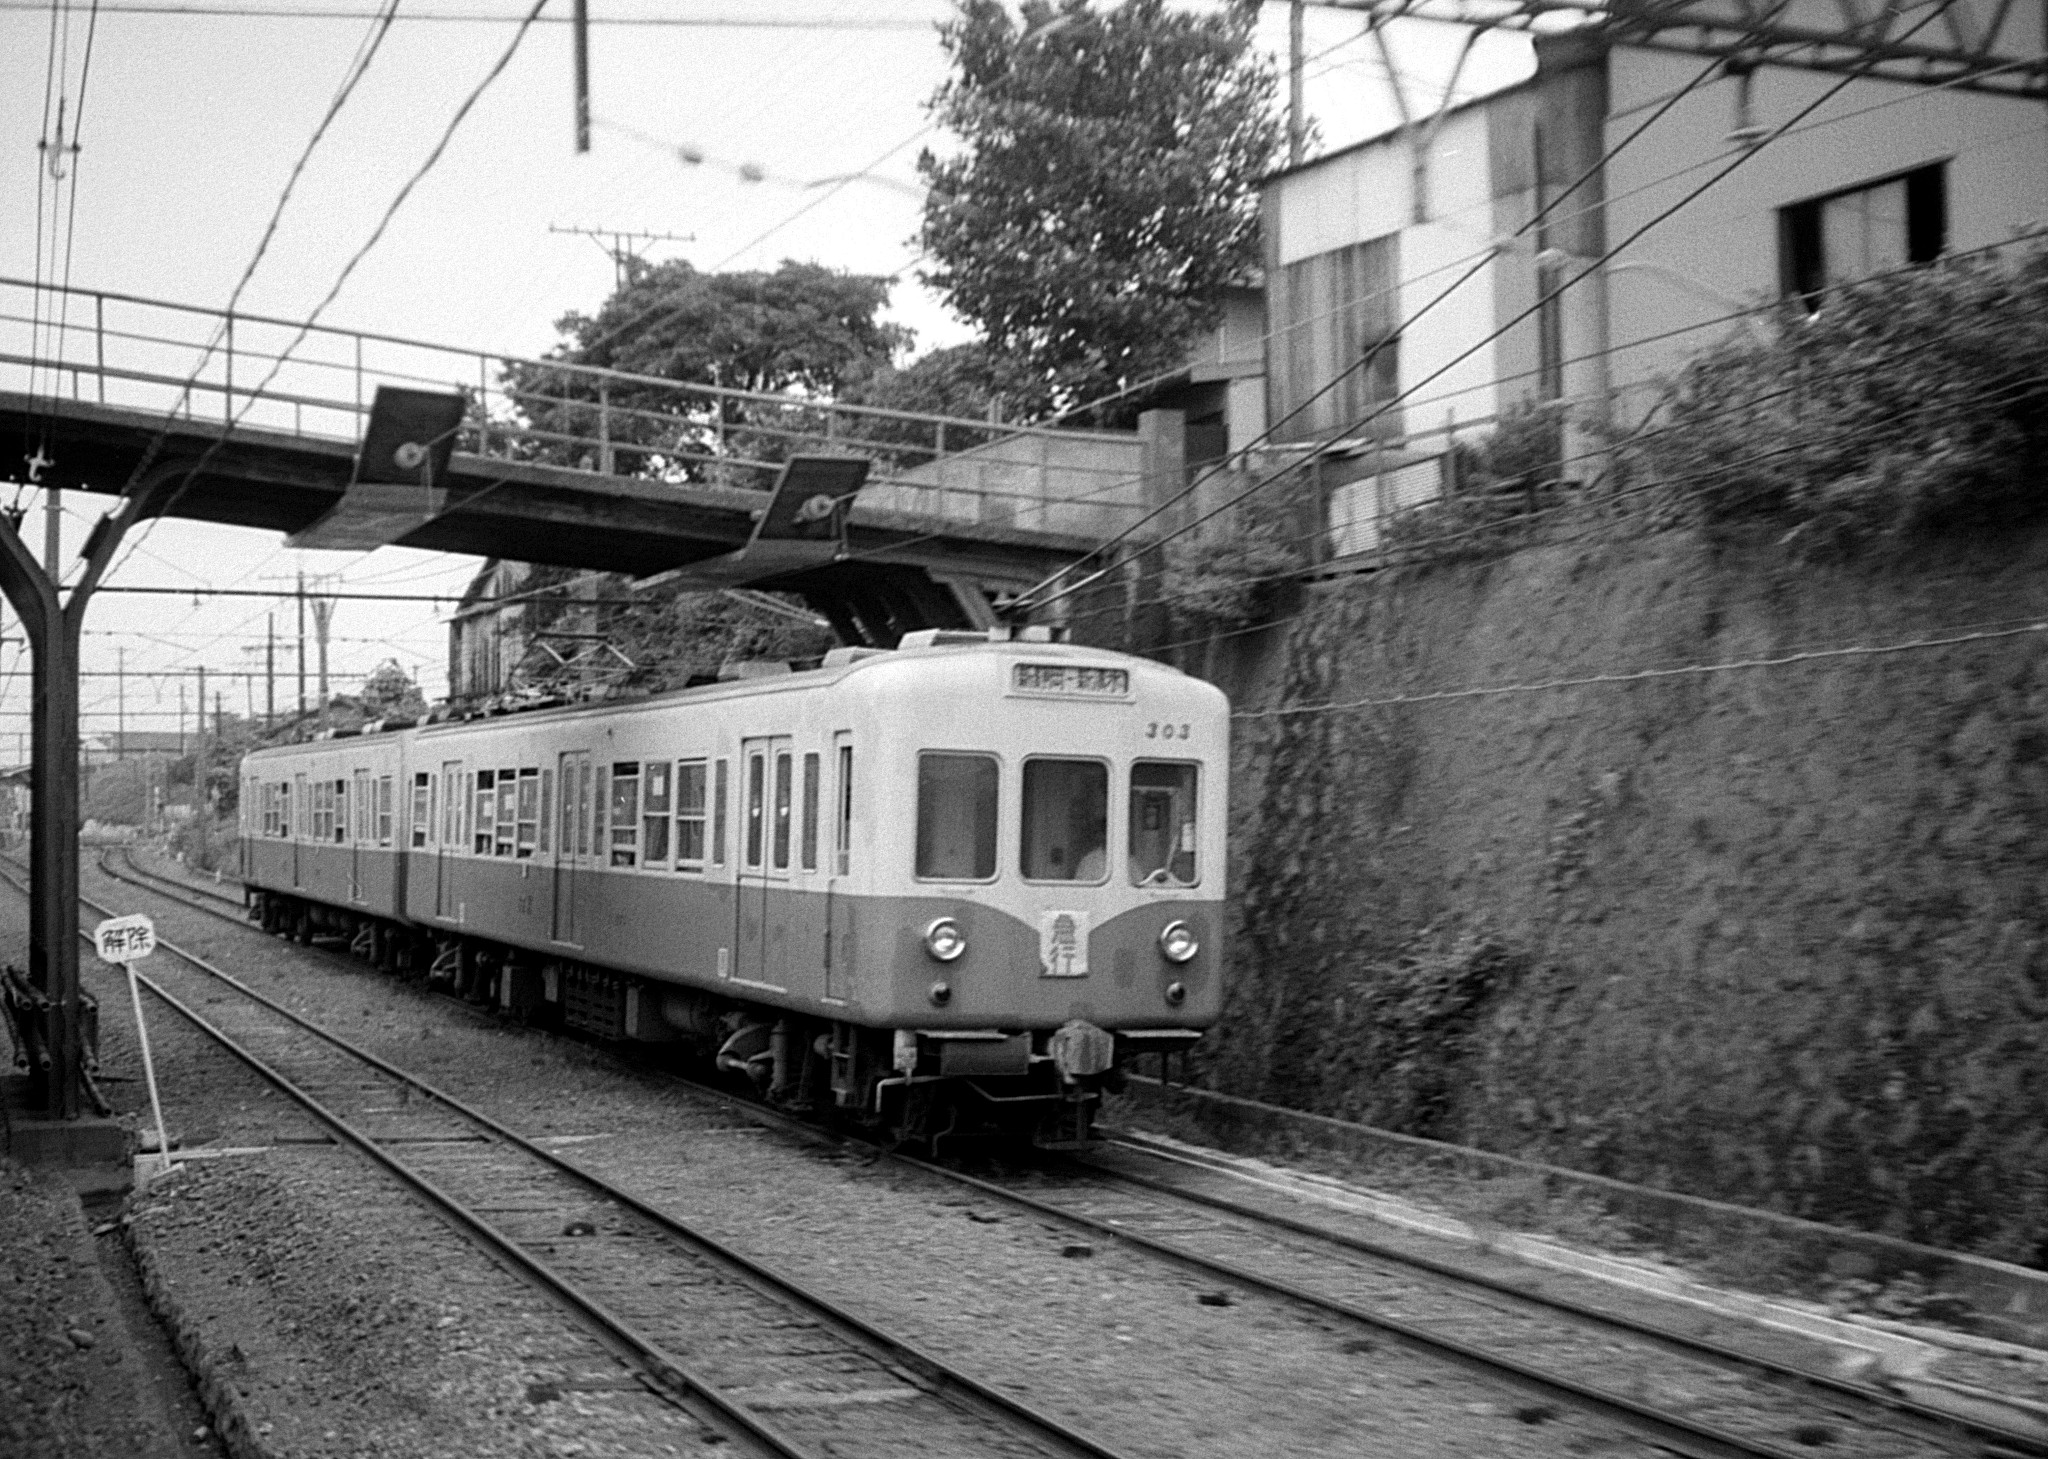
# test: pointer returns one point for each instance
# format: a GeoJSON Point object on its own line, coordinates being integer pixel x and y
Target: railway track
{"type": "Point", "coordinates": [755, 1356]}
{"type": "Point", "coordinates": [1555, 1351]}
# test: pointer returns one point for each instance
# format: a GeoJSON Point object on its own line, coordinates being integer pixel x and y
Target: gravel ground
{"type": "Point", "coordinates": [335, 1317]}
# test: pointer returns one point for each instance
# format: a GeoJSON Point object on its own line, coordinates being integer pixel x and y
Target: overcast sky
{"type": "Point", "coordinates": [192, 123]}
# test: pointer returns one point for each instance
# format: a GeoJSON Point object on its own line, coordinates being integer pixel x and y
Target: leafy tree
{"type": "Point", "coordinates": [1104, 197]}
{"type": "Point", "coordinates": [390, 691]}
{"type": "Point", "coordinates": [803, 331]}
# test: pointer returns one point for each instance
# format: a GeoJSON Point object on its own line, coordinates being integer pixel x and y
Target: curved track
{"type": "Point", "coordinates": [761, 1359]}
{"type": "Point", "coordinates": [1555, 1349]}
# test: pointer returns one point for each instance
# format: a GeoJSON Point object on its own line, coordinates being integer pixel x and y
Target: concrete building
{"type": "Point", "coordinates": [1400, 251]}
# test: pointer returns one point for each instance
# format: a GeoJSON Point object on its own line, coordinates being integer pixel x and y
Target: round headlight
{"type": "Point", "coordinates": [1178, 943]}
{"type": "Point", "coordinates": [944, 940]}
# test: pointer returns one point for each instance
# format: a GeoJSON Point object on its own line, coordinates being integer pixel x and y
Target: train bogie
{"type": "Point", "coordinates": [975, 872]}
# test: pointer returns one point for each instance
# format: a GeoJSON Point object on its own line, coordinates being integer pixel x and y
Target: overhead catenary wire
{"type": "Point", "coordinates": [1640, 676]}
{"type": "Point", "coordinates": [306, 327]}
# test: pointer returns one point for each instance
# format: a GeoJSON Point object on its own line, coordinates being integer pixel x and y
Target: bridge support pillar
{"type": "Point", "coordinates": [52, 623]}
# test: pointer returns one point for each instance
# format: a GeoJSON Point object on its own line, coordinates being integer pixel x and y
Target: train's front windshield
{"type": "Point", "coordinates": [1066, 820]}
{"type": "Point", "coordinates": [1162, 824]}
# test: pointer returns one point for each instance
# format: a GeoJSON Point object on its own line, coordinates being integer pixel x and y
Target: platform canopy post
{"type": "Point", "coordinates": [52, 626]}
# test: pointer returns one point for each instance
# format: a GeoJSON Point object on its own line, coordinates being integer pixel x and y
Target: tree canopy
{"type": "Point", "coordinates": [1103, 198]}
{"type": "Point", "coordinates": [803, 331]}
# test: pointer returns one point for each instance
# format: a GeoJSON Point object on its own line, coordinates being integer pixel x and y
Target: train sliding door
{"type": "Point", "coordinates": [572, 843]}
{"type": "Point", "coordinates": [767, 785]}
{"type": "Point", "coordinates": [839, 941]}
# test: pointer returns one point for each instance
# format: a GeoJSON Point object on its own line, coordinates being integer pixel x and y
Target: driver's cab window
{"type": "Point", "coordinates": [1162, 824]}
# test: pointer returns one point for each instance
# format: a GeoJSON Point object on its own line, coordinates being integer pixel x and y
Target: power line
{"type": "Point", "coordinates": [376, 234]}
{"type": "Point", "coordinates": [1638, 676]}
{"type": "Point", "coordinates": [455, 17]}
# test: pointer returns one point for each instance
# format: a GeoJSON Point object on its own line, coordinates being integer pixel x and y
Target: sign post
{"type": "Point", "coordinates": [125, 941]}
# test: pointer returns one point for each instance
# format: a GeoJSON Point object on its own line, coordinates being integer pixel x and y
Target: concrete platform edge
{"type": "Point", "coordinates": [2010, 1301]}
{"type": "Point", "coordinates": [223, 1401]}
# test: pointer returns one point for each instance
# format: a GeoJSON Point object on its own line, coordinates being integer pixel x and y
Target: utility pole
{"type": "Point", "coordinates": [1297, 122]}
{"type": "Point", "coordinates": [620, 250]}
{"type": "Point", "coordinates": [302, 644]}
{"type": "Point", "coordinates": [270, 674]}
{"type": "Point", "coordinates": [199, 756]}
{"type": "Point", "coordinates": [323, 619]}
{"type": "Point", "coordinates": [121, 703]}
{"type": "Point", "coordinates": [579, 24]}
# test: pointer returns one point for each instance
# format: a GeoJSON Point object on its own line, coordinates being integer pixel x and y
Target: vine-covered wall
{"type": "Point", "coordinates": [1775, 934]}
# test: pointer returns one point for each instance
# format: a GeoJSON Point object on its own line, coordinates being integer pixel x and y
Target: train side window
{"type": "Point", "coordinates": [1163, 824]}
{"type": "Point", "coordinates": [654, 808]}
{"type": "Point", "coordinates": [625, 808]}
{"type": "Point", "coordinates": [757, 805]}
{"type": "Point", "coordinates": [690, 815]}
{"type": "Point", "coordinates": [1066, 820]}
{"type": "Point", "coordinates": [303, 802]}
{"type": "Point", "coordinates": [600, 787]}
{"type": "Point", "coordinates": [718, 817]}
{"type": "Point", "coordinates": [422, 811]}
{"type": "Point", "coordinates": [529, 812]}
{"type": "Point", "coordinates": [385, 810]}
{"type": "Point", "coordinates": [508, 812]}
{"type": "Point", "coordinates": [486, 810]}
{"type": "Point", "coordinates": [844, 844]}
{"type": "Point", "coordinates": [956, 817]}
{"type": "Point", "coordinates": [810, 841]}
{"type": "Point", "coordinates": [547, 807]}
{"type": "Point", "coordinates": [783, 762]}
{"type": "Point", "coordinates": [341, 809]}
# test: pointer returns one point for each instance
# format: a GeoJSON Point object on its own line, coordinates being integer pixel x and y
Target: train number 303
{"type": "Point", "coordinates": [1159, 730]}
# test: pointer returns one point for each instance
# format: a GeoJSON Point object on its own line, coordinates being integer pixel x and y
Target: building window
{"type": "Point", "coordinates": [1861, 231]}
{"type": "Point", "coordinates": [1334, 359]}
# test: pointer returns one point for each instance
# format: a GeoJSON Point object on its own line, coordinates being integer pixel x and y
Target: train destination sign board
{"type": "Point", "coordinates": [1071, 679]}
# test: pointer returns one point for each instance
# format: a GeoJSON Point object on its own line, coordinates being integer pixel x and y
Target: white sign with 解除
{"type": "Point", "coordinates": [124, 939]}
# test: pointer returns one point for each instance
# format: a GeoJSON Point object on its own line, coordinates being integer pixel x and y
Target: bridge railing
{"type": "Point", "coordinates": [261, 372]}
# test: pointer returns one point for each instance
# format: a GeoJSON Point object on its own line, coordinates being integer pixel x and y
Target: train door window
{"type": "Point", "coordinates": [302, 801]}
{"type": "Point", "coordinates": [718, 816]}
{"type": "Point", "coordinates": [810, 831]}
{"type": "Point", "coordinates": [322, 812]}
{"type": "Point", "coordinates": [1066, 820]}
{"type": "Point", "coordinates": [782, 798]}
{"type": "Point", "coordinates": [583, 808]}
{"type": "Point", "coordinates": [757, 804]}
{"type": "Point", "coordinates": [599, 785]}
{"type": "Point", "coordinates": [451, 804]}
{"type": "Point", "coordinates": [341, 808]}
{"type": "Point", "coordinates": [625, 808]}
{"type": "Point", "coordinates": [529, 811]}
{"type": "Point", "coordinates": [486, 810]}
{"type": "Point", "coordinates": [508, 812]}
{"type": "Point", "coordinates": [384, 810]}
{"type": "Point", "coordinates": [690, 815]}
{"type": "Point", "coordinates": [422, 808]}
{"type": "Point", "coordinates": [654, 809]}
{"type": "Point", "coordinates": [956, 817]}
{"type": "Point", "coordinates": [547, 807]}
{"type": "Point", "coordinates": [1162, 824]}
{"type": "Point", "coordinates": [843, 836]}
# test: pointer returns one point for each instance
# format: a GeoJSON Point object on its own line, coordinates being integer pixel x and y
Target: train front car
{"type": "Point", "coordinates": [1042, 832]}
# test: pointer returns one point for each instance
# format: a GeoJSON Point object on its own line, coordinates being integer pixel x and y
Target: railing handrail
{"type": "Point", "coordinates": [596, 371]}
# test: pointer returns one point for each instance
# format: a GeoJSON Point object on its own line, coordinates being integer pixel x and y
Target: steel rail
{"type": "Point", "coordinates": [1949, 1424]}
{"type": "Point", "coordinates": [1703, 1439]}
{"type": "Point", "coordinates": [938, 1374]}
